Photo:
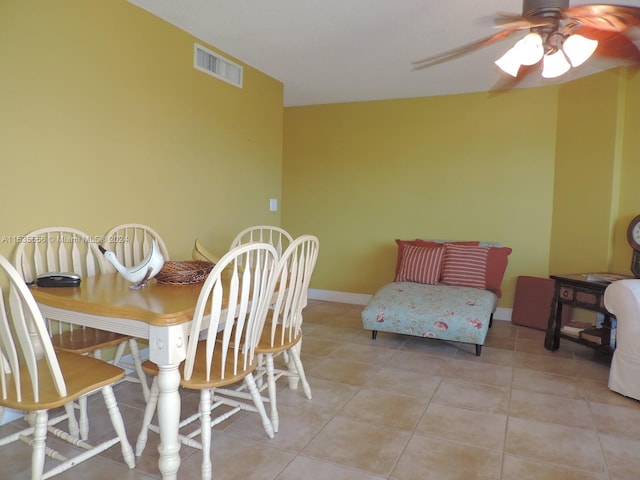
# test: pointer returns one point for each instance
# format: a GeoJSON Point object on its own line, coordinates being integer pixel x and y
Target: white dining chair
{"type": "Point", "coordinates": [66, 249]}
{"type": "Point", "coordinates": [131, 242]}
{"type": "Point", "coordinates": [36, 378]}
{"type": "Point", "coordinates": [232, 306]}
{"type": "Point", "coordinates": [282, 334]}
{"type": "Point", "coordinates": [276, 236]}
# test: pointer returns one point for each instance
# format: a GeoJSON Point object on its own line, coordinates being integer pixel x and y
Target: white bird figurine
{"type": "Point", "coordinates": [139, 274]}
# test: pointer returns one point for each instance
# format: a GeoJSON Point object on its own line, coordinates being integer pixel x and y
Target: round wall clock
{"type": "Point", "coordinates": [633, 236]}
{"type": "Point", "coordinates": [633, 233]}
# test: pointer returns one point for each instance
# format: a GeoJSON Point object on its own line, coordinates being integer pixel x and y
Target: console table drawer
{"type": "Point", "coordinates": [566, 293]}
{"type": "Point", "coordinates": [571, 294]}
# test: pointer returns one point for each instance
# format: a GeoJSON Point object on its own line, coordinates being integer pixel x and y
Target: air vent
{"type": "Point", "coordinates": [209, 62]}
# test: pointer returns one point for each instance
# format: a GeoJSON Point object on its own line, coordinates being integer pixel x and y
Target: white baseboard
{"type": "Point", "coordinates": [362, 299]}
{"type": "Point", "coordinates": [502, 314]}
{"type": "Point", "coordinates": [339, 297]}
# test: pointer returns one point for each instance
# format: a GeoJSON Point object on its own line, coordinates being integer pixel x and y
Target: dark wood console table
{"type": "Point", "coordinates": [577, 291]}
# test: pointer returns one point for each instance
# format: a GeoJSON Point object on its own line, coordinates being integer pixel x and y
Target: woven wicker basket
{"type": "Point", "coordinates": [184, 272]}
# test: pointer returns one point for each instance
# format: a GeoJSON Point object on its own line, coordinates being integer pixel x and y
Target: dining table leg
{"type": "Point", "coordinates": [167, 349]}
{"type": "Point", "coordinates": [168, 420]}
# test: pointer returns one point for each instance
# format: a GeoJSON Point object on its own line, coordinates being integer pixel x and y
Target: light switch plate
{"type": "Point", "coordinates": [273, 204]}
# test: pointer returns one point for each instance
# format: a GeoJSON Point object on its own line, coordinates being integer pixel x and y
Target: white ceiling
{"type": "Point", "coordinates": [332, 51]}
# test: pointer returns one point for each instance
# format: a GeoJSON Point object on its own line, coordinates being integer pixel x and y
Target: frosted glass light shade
{"type": "Point", "coordinates": [578, 49]}
{"type": "Point", "coordinates": [554, 65]}
{"type": "Point", "coordinates": [530, 49]}
{"type": "Point", "coordinates": [526, 51]}
{"type": "Point", "coordinates": [509, 62]}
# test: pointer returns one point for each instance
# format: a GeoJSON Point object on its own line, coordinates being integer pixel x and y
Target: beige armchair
{"type": "Point", "coordinates": [622, 298]}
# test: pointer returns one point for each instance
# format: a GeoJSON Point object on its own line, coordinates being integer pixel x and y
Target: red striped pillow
{"type": "Point", "coordinates": [465, 266]}
{"type": "Point", "coordinates": [421, 265]}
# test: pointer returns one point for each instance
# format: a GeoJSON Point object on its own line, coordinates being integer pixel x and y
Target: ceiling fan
{"type": "Point", "coordinates": [560, 37]}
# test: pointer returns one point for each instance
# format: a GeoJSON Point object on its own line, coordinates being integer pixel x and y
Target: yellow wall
{"type": "Point", "coordinates": [551, 172]}
{"type": "Point", "coordinates": [596, 171]}
{"type": "Point", "coordinates": [587, 157]}
{"type": "Point", "coordinates": [477, 166]}
{"type": "Point", "coordinates": [629, 197]}
{"type": "Point", "coordinates": [104, 120]}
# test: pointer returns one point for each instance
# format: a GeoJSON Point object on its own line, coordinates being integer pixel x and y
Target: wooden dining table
{"type": "Point", "coordinates": [161, 313]}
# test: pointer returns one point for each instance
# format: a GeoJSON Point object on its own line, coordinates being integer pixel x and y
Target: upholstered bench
{"type": "Point", "coordinates": [460, 314]}
{"type": "Point", "coordinates": [443, 290]}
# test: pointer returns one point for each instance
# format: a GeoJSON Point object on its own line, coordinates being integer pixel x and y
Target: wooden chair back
{"type": "Point", "coordinates": [294, 271]}
{"type": "Point", "coordinates": [58, 249]}
{"type": "Point", "coordinates": [25, 345]}
{"type": "Point", "coordinates": [272, 235]}
{"type": "Point", "coordinates": [235, 301]}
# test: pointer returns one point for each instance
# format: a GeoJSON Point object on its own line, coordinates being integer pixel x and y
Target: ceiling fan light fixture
{"type": "Point", "coordinates": [555, 64]}
{"type": "Point", "coordinates": [509, 63]}
{"type": "Point", "coordinates": [556, 36]}
{"type": "Point", "coordinates": [526, 51]}
{"type": "Point", "coordinates": [578, 49]}
{"type": "Point", "coordinates": [530, 49]}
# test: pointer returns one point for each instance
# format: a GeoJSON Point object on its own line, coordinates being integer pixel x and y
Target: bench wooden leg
{"type": "Point", "coordinates": [374, 334]}
{"type": "Point", "coordinates": [478, 350]}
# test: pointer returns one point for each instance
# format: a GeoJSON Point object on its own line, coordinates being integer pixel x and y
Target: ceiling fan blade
{"type": "Point", "coordinates": [612, 18]}
{"type": "Point", "coordinates": [462, 50]}
{"type": "Point", "coordinates": [509, 20]}
{"type": "Point", "coordinates": [507, 82]}
{"type": "Point", "coordinates": [612, 44]}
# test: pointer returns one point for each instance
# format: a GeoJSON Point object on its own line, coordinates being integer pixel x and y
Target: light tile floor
{"type": "Point", "coordinates": [407, 408]}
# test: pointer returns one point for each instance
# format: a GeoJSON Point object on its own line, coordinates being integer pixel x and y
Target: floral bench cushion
{"type": "Point", "coordinates": [436, 311]}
